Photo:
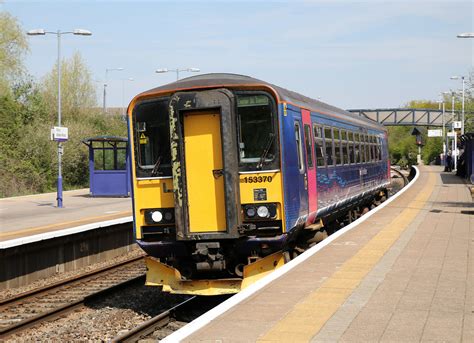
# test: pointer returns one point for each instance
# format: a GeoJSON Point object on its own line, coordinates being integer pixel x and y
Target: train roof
{"type": "Point", "coordinates": [227, 80]}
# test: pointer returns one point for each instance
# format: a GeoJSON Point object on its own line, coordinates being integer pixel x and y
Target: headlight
{"type": "Point", "coordinates": [263, 212]}
{"type": "Point", "coordinates": [160, 216]}
{"type": "Point", "coordinates": [156, 216]}
{"type": "Point", "coordinates": [250, 211]}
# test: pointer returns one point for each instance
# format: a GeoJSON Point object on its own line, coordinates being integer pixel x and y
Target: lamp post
{"type": "Point", "coordinates": [105, 85]}
{"type": "Point", "coordinates": [453, 133]}
{"type": "Point", "coordinates": [177, 70]}
{"type": "Point", "coordinates": [441, 104]}
{"type": "Point", "coordinates": [58, 33]}
{"type": "Point", "coordinates": [123, 94]}
{"type": "Point", "coordinates": [455, 147]}
{"type": "Point", "coordinates": [462, 110]}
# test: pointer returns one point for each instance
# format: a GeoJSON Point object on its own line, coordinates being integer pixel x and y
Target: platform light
{"type": "Point", "coordinates": [36, 32]}
{"type": "Point", "coordinates": [82, 32]}
{"type": "Point", "coordinates": [466, 35]}
{"type": "Point", "coordinates": [177, 70]}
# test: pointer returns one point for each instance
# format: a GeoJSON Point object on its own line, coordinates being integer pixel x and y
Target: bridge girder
{"type": "Point", "coordinates": [408, 116]}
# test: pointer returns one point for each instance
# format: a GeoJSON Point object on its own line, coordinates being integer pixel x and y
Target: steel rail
{"type": "Point", "coordinates": [68, 306]}
{"type": "Point", "coordinates": [38, 291]}
{"type": "Point", "coordinates": [405, 179]}
{"type": "Point", "coordinates": [149, 326]}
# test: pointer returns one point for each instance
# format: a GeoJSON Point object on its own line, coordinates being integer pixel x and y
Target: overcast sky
{"type": "Point", "coordinates": [351, 54]}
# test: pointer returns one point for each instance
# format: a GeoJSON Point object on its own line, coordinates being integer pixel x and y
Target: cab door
{"type": "Point", "coordinates": [204, 171]}
{"type": "Point", "coordinates": [204, 162]}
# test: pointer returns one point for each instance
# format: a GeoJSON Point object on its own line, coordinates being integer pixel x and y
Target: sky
{"type": "Point", "coordinates": [350, 54]}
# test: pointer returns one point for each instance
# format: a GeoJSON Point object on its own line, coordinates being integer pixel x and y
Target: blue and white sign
{"type": "Point", "coordinates": [59, 134]}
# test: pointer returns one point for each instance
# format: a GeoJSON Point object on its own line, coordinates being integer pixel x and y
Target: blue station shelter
{"type": "Point", "coordinates": [109, 166]}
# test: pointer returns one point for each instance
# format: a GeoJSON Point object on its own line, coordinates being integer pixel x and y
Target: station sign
{"type": "Point", "coordinates": [457, 124]}
{"type": "Point", "coordinates": [59, 134]}
{"type": "Point", "coordinates": [435, 133]}
{"type": "Point", "coordinates": [451, 134]}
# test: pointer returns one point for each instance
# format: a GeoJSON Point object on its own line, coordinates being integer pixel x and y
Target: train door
{"type": "Point", "coordinates": [310, 162]}
{"type": "Point", "coordinates": [302, 175]}
{"type": "Point", "coordinates": [203, 160]}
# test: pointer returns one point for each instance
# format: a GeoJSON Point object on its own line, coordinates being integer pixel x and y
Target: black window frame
{"type": "Point", "coordinates": [299, 146]}
{"type": "Point", "coordinates": [274, 164]}
{"type": "Point", "coordinates": [322, 149]}
{"type": "Point", "coordinates": [329, 128]}
{"type": "Point", "coordinates": [308, 143]}
{"type": "Point", "coordinates": [146, 171]}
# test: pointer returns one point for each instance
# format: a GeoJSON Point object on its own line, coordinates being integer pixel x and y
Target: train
{"type": "Point", "coordinates": [233, 176]}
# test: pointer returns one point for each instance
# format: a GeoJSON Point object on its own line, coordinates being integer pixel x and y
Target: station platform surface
{"type": "Point", "coordinates": [406, 273]}
{"type": "Point", "coordinates": [36, 214]}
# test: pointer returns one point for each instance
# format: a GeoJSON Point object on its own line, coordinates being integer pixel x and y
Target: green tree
{"type": "Point", "coordinates": [401, 145]}
{"type": "Point", "coordinates": [77, 88]}
{"type": "Point", "coordinates": [28, 110]}
{"type": "Point", "coordinates": [13, 46]}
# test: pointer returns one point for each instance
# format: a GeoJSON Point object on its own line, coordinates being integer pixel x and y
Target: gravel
{"type": "Point", "coordinates": [105, 319]}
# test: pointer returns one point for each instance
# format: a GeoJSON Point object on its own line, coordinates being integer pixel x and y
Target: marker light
{"type": "Point", "coordinates": [168, 216]}
{"type": "Point", "coordinates": [156, 216]}
{"type": "Point", "coordinates": [250, 211]}
{"type": "Point", "coordinates": [263, 212]}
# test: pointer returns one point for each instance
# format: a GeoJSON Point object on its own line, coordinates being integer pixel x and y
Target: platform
{"type": "Point", "coordinates": [405, 273]}
{"type": "Point", "coordinates": [30, 215]}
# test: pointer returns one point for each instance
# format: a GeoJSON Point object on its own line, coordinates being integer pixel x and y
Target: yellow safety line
{"type": "Point", "coordinates": [308, 317]}
{"type": "Point", "coordinates": [64, 225]}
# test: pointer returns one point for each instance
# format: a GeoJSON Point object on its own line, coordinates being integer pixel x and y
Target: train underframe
{"type": "Point", "coordinates": [228, 265]}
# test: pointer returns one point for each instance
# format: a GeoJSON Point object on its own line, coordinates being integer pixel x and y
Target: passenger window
{"type": "Point", "coordinates": [350, 147]}
{"type": "Point", "coordinates": [379, 149]}
{"type": "Point", "coordinates": [374, 153]}
{"type": "Point", "coordinates": [328, 143]}
{"type": "Point", "coordinates": [307, 140]}
{"type": "Point", "coordinates": [337, 146]}
{"type": "Point", "coordinates": [345, 154]}
{"type": "Point", "coordinates": [367, 149]}
{"type": "Point", "coordinates": [357, 152]}
{"type": "Point", "coordinates": [318, 146]}
{"type": "Point", "coordinates": [299, 147]}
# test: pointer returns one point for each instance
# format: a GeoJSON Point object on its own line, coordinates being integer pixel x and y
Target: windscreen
{"type": "Point", "coordinates": [258, 139]}
{"type": "Point", "coordinates": [152, 139]}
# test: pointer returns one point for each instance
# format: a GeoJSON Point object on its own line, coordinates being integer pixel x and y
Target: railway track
{"type": "Point", "coordinates": [171, 320]}
{"type": "Point", "coordinates": [156, 323]}
{"type": "Point", "coordinates": [31, 308]}
{"type": "Point", "coordinates": [400, 174]}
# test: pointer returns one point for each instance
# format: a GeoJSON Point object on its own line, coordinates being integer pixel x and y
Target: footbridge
{"type": "Point", "coordinates": [408, 116]}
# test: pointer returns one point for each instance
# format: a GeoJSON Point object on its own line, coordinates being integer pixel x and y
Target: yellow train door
{"type": "Point", "coordinates": [204, 166]}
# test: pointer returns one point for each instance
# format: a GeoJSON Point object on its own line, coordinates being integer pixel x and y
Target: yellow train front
{"type": "Point", "coordinates": [208, 188]}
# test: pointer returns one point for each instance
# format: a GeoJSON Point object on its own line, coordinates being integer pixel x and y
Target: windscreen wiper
{"type": "Point", "coordinates": [271, 137]}
{"type": "Point", "coordinates": [154, 172]}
